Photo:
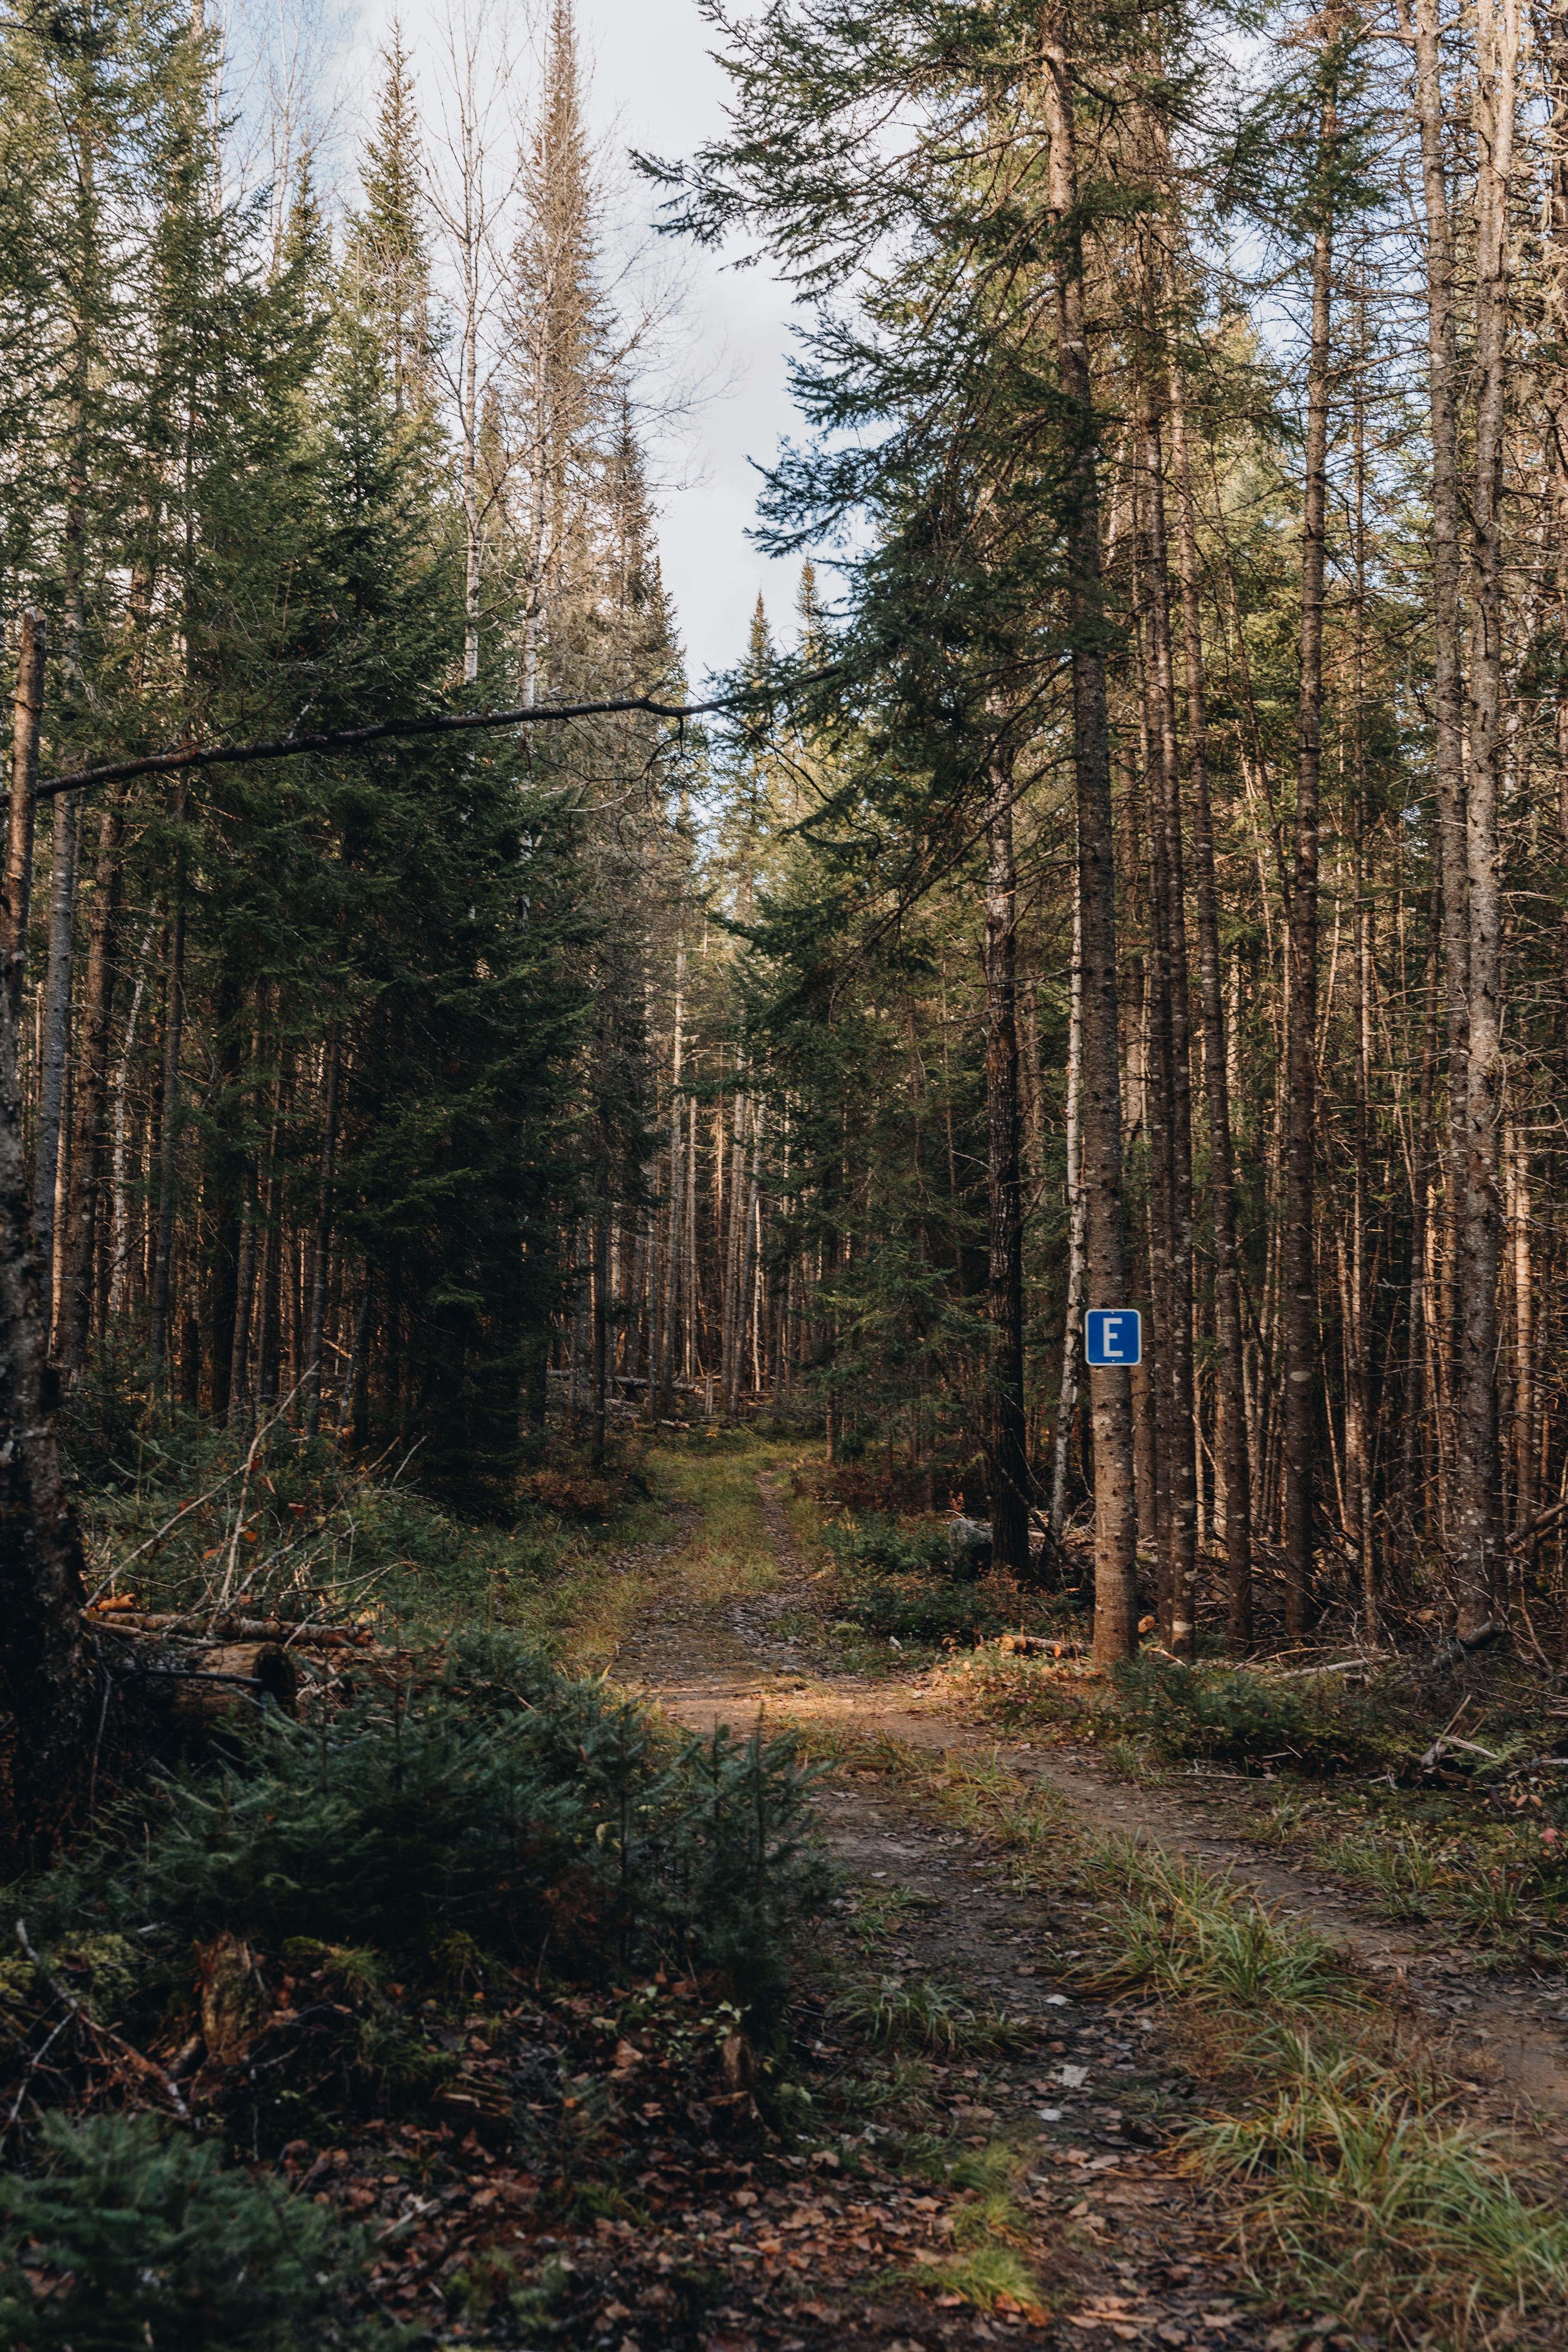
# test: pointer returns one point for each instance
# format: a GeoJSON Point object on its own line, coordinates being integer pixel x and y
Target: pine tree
{"type": "Point", "coordinates": [387, 249]}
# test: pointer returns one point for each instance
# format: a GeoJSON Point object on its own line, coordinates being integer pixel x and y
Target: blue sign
{"type": "Point", "coordinates": [1112, 1334]}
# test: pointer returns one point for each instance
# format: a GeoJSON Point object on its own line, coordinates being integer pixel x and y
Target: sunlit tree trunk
{"type": "Point", "coordinates": [1475, 1537]}
{"type": "Point", "coordinates": [1116, 1523]}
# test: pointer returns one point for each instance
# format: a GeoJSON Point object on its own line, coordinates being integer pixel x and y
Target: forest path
{"type": "Point", "coordinates": [717, 1653]}
{"type": "Point", "coordinates": [1126, 2245]}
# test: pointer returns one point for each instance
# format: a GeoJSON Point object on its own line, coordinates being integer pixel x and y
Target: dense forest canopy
{"type": "Point", "coordinates": [1140, 879]}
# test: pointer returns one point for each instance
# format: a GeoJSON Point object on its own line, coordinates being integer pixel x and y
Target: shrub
{"type": "Point", "coordinates": [503, 1799]}
{"type": "Point", "coordinates": [907, 1579]}
{"type": "Point", "coordinates": [738, 1860]}
{"type": "Point", "coordinates": [1238, 1715]}
{"type": "Point", "coordinates": [133, 2238]}
{"type": "Point", "coordinates": [888, 1547]}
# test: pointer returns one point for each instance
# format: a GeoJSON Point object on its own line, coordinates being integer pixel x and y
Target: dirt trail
{"type": "Point", "coordinates": [708, 1664]}
{"type": "Point", "coordinates": [1130, 2245]}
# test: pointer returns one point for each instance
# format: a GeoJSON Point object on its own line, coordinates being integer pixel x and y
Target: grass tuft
{"type": "Point", "coordinates": [1374, 2206]}
{"type": "Point", "coordinates": [986, 2276]}
{"type": "Point", "coordinates": [926, 2016]}
{"type": "Point", "coordinates": [1210, 1941]}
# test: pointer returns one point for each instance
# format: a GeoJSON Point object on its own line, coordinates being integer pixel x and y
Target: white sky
{"type": "Point", "coordinates": [654, 87]}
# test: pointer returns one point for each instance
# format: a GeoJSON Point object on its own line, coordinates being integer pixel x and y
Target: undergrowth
{"type": "Point", "coordinates": [334, 1893]}
{"type": "Point", "coordinates": [493, 1795]}
{"type": "Point", "coordinates": [130, 2237]}
{"type": "Point", "coordinates": [911, 1583]}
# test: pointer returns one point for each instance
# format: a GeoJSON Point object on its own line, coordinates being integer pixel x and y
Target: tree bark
{"type": "Point", "coordinates": [55, 1045]}
{"type": "Point", "coordinates": [1301, 1350]}
{"type": "Point", "coordinates": [1448, 670]}
{"type": "Point", "coordinates": [1476, 1537]}
{"type": "Point", "coordinates": [1007, 1467]}
{"type": "Point", "coordinates": [85, 1220]}
{"type": "Point", "coordinates": [1116, 1524]}
{"type": "Point", "coordinates": [1231, 1387]}
{"type": "Point", "coordinates": [1525, 1479]}
{"type": "Point", "coordinates": [169, 1114]}
{"type": "Point", "coordinates": [16, 898]}
{"type": "Point", "coordinates": [1175, 1351]}
{"type": "Point", "coordinates": [45, 1674]}
{"type": "Point", "coordinates": [316, 1333]}
{"type": "Point", "coordinates": [1078, 1236]}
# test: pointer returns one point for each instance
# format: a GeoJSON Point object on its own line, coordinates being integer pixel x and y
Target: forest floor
{"type": "Point", "coordinates": [982, 2030]}
{"type": "Point", "coordinates": [1078, 2046]}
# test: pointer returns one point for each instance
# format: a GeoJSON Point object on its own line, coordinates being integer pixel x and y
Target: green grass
{"type": "Point", "coordinates": [925, 2016]}
{"type": "Point", "coordinates": [984, 2275]}
{"type": "Point", "coordinates": [1491, 1878]}
{"type": "Point", "coordinates": [1177, 1930]}
{"type": "Point", "coordinates": [1375, 2207]}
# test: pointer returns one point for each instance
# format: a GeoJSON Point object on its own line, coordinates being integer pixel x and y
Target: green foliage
{"type": "Point", "coordinates": [134, 2238]}
{"type": "Point", "coordinates": [1236, 1715]}
{"type": "Point", "coordinates": [739, 1861]}
{"type": "Point", "coordinates": [890, 1547]}
{"type": "Point", "coordinates": [502, 1800]}
{"type": "Point", "coordinates": [899, 1580]}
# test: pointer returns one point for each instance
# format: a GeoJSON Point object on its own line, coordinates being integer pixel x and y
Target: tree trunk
{"type": "Point", "coordinates": [54, 1044]}
{"type": "Point", "coordinates": [1448, 685]}
{"type": "Point", "coordinates": [237, 1386]}
{"type": "Point", "coordinates": [599, 1312]}
{"type": "Point", "coordinates": [45, 1677]}
{"type": "Point", "coordinates": [85, 1221]}
{"type": "Point", "coordinates": [169, 1116]}
{"type": "Point", "coordinates": [1116, 1526]}
{"type": "Point", "coordinates": [315, 1339]}
{"type": "Point", "coordinates": [15, 899]}
{"type": "Point", "coordinates": [119, 1232]}
{"type": "Point", "coordinates": [1078, 1235]}
{"type": "Point", "coordinates": [1524, 1488]}
{"type": "Point", "coordinates": [1231, 1368]}
{"type": "Point", "coordinates": [1175, 1351]}
{"type": "Point", "coordinates": [1475, 1535]}
{"type": "Point", "coordinates": [1007, 1468]}
{"type": "Point", "coordinates": [1301, 1350]}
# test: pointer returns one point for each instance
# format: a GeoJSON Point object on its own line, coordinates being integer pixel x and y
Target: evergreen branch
{"type": "Point", "coordinates": [353, 738]}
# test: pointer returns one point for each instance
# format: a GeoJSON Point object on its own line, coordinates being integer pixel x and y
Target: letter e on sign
{"type": "Point", "coordinates": [1112, 1334]}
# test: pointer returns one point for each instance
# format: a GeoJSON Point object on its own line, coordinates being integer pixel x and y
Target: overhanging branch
{"type": "Point", "coordinates": [386, 730]}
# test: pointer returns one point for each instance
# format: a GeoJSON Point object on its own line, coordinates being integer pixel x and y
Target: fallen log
{"type": "Point", "coordinates": [227, 1627]}
{"type": "Point", "coordinates": [199, 1686]}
